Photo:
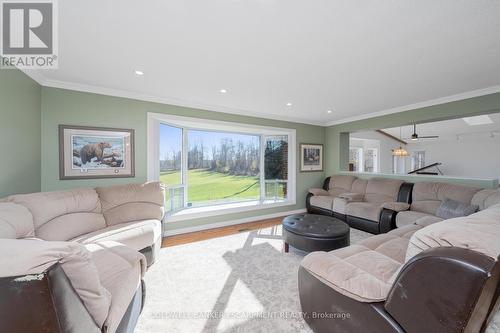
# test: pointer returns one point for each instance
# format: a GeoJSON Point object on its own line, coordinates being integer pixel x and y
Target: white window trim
{"type": "Point", "coordinates": [153, 154]}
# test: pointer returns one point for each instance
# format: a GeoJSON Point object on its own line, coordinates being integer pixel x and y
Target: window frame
{"type": "Point", "coordinates": [191, 123]}
{"type": "Point", "coordinates": [376, 161]}
{"type": "Point", "coordinates": [361, 158]}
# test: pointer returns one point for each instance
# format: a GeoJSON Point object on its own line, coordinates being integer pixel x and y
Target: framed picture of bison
{"type": "Point", "coordinates": [95, 152]}
{"type": "Point", "coordinates": [311, 157]}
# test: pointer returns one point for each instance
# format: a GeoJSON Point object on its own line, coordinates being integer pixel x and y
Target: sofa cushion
{"type": "Point", "coordinates": [136, 235]}
{"type": "Point", "coordinates": [427, 196]}
{"type": "Point", "coordinates": [62, 215]}
{"type": "Point", "coordinates": [451, 208]}
{"type": "Point", "coordinates": [360, 275]}
{"type": "Point", "coordinates": [359, 186]}
{"type": "Point", "coordinates": [120, 271]}
{"type": "Point", "coordinates": [321, 201]}
{"type": "Point", "coordinates": [428, 220]}
{"type": "Point", "coordinates": [405, 231]}
{"type": "Point", "coordinates": [318, 191]}
{"type": "Point", "coordinates": [409, 217]}
{"type": "Point", "coordinates": [379, 190]}
{"type": "Point", "coordinates": [28, 256]}
{"type": "Point", "coordinates": [390, 245]}
{"type": "Point", "coordinates": [131, 202]}
{"type": "Point", "coordinates": [456, 192]}
{"type": "Point", "coordinates": [351, 196]}
{"type": "Point", "coordinates": [340, 184]}
{"type": "Point", "coordinates": [16, 221]}
{"type": "Point", "coordinates": [363, 271]}
{"type": "Point", "coordinates": [396, 206]}
{"type": "Point", "coordinates": [366, 210]}
{"type": "Point", "coordinates": [339, 205]}
{"type": "Point", "coordinates": [486, 198]}
{"type": "Point", "coordinates": [479, 232]}
{"type": "Point", "coordinates": [425, 206]}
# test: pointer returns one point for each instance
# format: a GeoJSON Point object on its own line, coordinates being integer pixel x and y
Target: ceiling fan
{"type": "Point", "coordinates": [415, 137]}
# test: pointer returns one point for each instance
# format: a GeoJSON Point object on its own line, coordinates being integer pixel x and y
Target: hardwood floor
{"type": "Point", "coordinates": [218, 232]}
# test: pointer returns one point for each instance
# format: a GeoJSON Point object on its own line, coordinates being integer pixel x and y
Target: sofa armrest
{"type": "Point", "coordinates": [352, 197]}
{"type": "Point", "coordinates": [438, 291]}
{"type": "Point", "coordinates": [396, 206]}
{"type": "Point", "coordinates": [388, 214]}
{"type": "Point", "coordinates": [31, 257]}
{"type": "Point", "coordinates": [318, 191]}
{"type": "Point", "coordinates": [45, 302]}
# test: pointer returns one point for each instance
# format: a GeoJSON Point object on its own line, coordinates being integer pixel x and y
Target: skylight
{"type": "Point", "coordinates": [478, 120]}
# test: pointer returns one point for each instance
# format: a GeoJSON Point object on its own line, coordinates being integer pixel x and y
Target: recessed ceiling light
{"type": "Point", "coordinates": [223, 91]}
{"type": "Point", "coordinates": [329, 111]}
{"type": "Point", "coordinates": [478, 120]}
{"type": "Point", "coordinates": [288, 104]}
{"type": "Point", "coordinates": [140, 73]}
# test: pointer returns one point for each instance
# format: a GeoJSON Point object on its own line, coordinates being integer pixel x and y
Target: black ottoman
{"type": "Point", "coordinates": [309, 232]}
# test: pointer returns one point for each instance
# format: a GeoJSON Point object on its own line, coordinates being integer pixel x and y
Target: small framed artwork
{"type": "Point", "coordinates": [95, 152]}
{"type": "Point", "coordinates": [311, 157]}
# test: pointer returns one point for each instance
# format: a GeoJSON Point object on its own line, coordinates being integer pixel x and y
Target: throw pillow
{"type": "Point", "coordinates": [451, 208]}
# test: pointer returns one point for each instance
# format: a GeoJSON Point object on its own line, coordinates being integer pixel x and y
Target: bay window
{"type": "Point", "coordinates": [214, 166]}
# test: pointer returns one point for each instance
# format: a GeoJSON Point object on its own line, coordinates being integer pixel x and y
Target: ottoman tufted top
{"type": "Point", "coordinates": [315, 225]}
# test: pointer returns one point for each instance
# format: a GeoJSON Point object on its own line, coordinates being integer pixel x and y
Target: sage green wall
{"type": "Point", "coordinates": [337, 144]}
{"type": "Point", "coordinates": [19, 133]}
{"type": "Point", "coordinates": [68, 107]}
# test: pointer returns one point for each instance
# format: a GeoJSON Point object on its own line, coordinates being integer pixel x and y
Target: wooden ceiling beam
{"type": "Point", "coordinates": [392, 137]}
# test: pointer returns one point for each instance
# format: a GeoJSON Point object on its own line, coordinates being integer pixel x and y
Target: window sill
{"type": "Point", "coordinates": [215, 210]}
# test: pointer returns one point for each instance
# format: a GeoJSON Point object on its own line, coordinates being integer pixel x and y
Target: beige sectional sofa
{"type": "Point", "coordinates": [428, 196]}
{"type": "Point", "coordinates": [130, 214]}
{"type": "Point", "coordinates": [426, 276]}
{"type": "Point", "coordinates": [99, 241]}
{"type": "Point", "coordinates": [361, 202]}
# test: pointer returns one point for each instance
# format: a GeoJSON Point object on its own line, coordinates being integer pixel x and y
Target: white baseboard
{"type": "Point", "coordinates": [229, 223]}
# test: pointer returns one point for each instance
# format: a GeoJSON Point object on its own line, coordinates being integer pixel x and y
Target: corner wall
{"type": "Point", "coordinates": [19, 133]}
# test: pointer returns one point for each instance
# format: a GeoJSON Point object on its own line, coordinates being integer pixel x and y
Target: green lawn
{"type": "Point", "coordinates": [205, 185]}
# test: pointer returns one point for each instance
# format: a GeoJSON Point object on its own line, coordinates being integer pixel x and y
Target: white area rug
{"type": "Point", "coordinates": [238, 283]}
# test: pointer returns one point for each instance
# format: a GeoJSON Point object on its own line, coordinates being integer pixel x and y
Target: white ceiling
{"type": "Point", "coordinates": [356, 58]}
{"type": "Point", "coordinates": [449, 129]}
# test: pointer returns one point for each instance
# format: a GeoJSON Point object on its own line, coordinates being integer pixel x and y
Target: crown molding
{"type": "Point", "coordinates": [42, 80]}
{"type": "Point", "coordinates": [437, 101]}
{"type": "Point", "coordinates": [168, 100]}
{"type": "Point", "coordinates": [35, 75]}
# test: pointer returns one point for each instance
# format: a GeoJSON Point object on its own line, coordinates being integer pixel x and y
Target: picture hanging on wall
{"type": "Point", "coordinates": [311, 157]}
{"type": "Point", "coordinates": [95, 152]}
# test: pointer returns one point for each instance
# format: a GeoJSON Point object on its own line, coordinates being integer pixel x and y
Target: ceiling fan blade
{"type": "Point", "coordinates": [429, 137]}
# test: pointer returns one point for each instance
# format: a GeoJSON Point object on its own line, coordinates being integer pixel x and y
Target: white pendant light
{"type": "Point", "coordinates": [400, 151]}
